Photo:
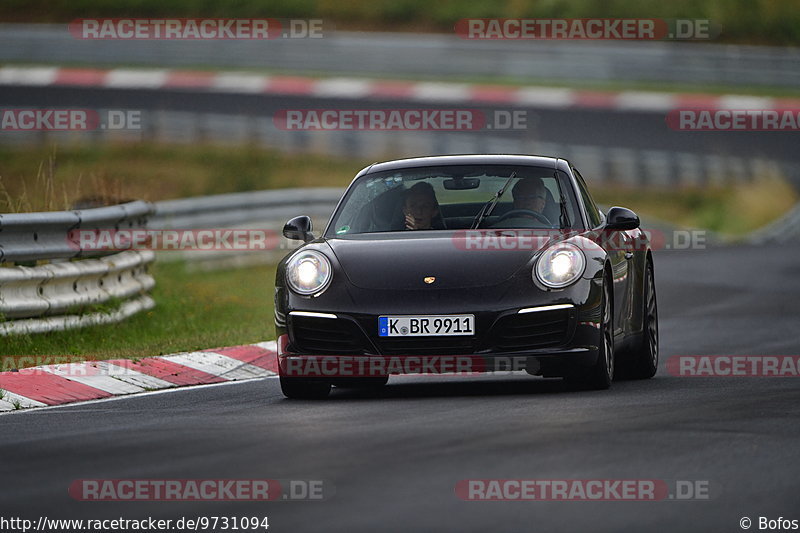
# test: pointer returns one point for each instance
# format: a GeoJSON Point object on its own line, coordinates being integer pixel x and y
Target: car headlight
{"type": "Point", "coordinates": [560, 265]}
{"type": "Point", "coordinates": [308, 272]}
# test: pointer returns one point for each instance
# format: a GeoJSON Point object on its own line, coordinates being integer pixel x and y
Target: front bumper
{"type": "Point", "coordinates": [563, 362]}
{"type": "Point", "coordinates": [516, 327]}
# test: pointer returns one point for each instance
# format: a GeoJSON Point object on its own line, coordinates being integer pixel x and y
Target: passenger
{"type": "Point", "coordinates": [420, 206]}
{"type": "Point", "coordinates": [530, 194]}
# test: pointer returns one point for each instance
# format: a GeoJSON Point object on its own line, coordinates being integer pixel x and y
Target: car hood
{"type": "Point", "coordinates": [455, 259]}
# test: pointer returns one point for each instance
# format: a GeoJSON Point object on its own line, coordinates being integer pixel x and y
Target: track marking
{"type": "Point", "coordinates": [219, 365]}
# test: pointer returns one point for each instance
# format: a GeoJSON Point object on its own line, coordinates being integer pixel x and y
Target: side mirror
{"type": "Point", "coordinates": [620, 219]}
{"type": "Point", "coordinates": [299, 229]}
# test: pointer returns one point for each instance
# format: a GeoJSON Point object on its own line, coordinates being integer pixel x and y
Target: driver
{"type": "Point", "coordinates": [530, 194]}
{"type": "Point", "coordinates": [420, 206]}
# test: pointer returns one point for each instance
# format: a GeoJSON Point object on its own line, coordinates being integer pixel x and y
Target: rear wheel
{"type": "Point", "coordinates": [644, 356]}
{"type": "Point", "coordinates": [304, 389]}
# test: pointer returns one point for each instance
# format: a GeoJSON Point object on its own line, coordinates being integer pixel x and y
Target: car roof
{"type": "Point", "coordinates": [470, 159]}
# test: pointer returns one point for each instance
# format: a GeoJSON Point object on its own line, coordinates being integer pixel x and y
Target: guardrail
{"type": "Point", "coordinates": [46, 236]}
{"type": "Point", "coordinates": [48, 297]}
{"type": "Point", "coordinates": [397, 54]}
{"type": "Point", "coordinates": [235, 208]}
{"type": "Point", "coordinates": [784, 230]}
{"type": "Point", "coordinates": [262, 210]}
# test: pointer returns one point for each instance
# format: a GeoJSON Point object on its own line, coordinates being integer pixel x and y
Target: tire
{"type": "Point", "coordinates": [303, 389]}
{"type": "Point", "coordinates": [644, 356]}
{"type": "Point", "coordinates": [602, 373]}
{"type": "Point", "coordinates": [361, 383]}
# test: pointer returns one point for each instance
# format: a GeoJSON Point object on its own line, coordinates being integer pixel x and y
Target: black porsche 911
{"type": "Point", "coordinates": [463, 264]}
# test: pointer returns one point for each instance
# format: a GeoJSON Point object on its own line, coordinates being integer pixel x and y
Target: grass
{"type": "Point", "coordinates": [732, 211]}
{"type": "Point", "coordinates": [194, 311]}
{"type": "Point", "coordinates": [45, 179]}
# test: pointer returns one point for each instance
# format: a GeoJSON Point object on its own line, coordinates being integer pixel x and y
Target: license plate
{"type": "Point", "coordinates": [426, 325]}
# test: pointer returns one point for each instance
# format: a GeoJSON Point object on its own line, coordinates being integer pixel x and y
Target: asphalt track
{"type": "Point", "coordinates": [395, 458]}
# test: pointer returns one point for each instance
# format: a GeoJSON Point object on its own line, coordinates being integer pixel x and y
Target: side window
{"type": "Point", "coordinates": [591, 208]}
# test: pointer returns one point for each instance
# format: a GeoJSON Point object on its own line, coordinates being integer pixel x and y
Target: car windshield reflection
{"type": "Point", "coordinates": [456, 198]}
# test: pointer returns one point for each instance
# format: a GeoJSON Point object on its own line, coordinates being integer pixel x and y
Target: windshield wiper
{"type": "Point", "coordinates": [488, 207]}
{"type": "Point", "coordinates": [563, 219]}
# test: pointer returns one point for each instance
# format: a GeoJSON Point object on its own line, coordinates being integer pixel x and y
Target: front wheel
{"type": "Point", "coordinates": [601, 374]}
{"type": "Point", "coordinates": [304, 389]}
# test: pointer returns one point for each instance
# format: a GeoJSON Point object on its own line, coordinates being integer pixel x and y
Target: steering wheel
{"type": "Point", "coordinates": [516, 213]}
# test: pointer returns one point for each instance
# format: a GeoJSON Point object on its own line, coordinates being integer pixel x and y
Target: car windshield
{"type": "Point", "coordinates": [456, 197]}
